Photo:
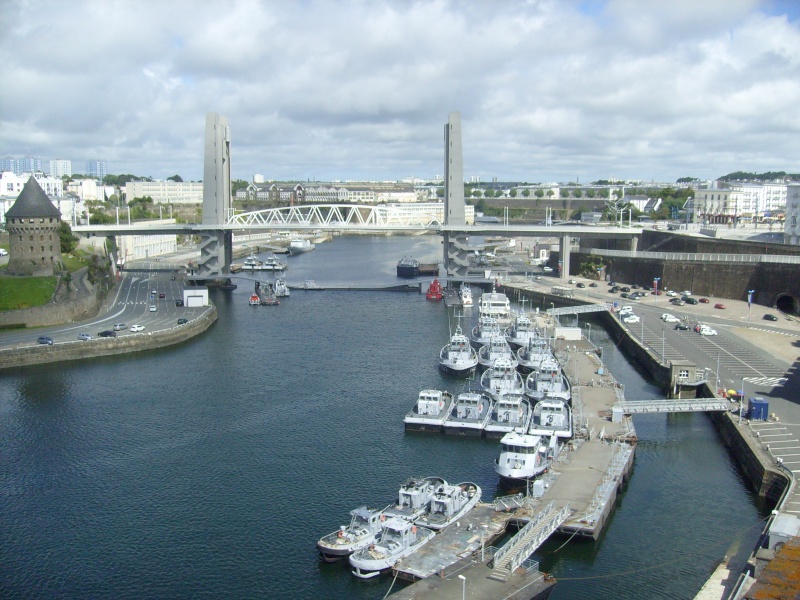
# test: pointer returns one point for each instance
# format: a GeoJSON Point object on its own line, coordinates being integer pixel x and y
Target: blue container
{"type": "Point", "coordinates": [758, 409]}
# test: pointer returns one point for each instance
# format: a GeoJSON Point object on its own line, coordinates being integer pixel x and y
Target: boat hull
{"type": "Point", "coordinates": [436, 427]}
{"type": "Point", "coordinates": [457, 370]}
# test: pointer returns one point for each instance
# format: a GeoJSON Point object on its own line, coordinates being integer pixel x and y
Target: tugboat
{"type": "Point", "coordinates": [430, 410]}
{"type": "Point", "coordinates": [450, 503]}
{"type": "Point", "coordinates": [434, 290]}
{"type": "Point", "coordinates": [281, 291]}
{"type": "Point", "coordinates": [364, 525]}
{"type": "Point", "coordinates": [398, 538]}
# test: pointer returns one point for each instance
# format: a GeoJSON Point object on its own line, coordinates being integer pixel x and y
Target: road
{"type": "Point", "coordinates": [130, 304]}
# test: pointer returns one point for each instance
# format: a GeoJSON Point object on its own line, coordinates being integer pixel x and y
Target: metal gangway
{"type": "Point", "coordinates": [527, 540]}
{"type": "Point", "coordinates": [580, 309]}
{"type": "Point", "coordinates": [634, 407]}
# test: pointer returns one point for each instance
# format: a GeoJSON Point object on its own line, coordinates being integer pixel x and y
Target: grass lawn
{"type": "Point", "coordinates": [25, 292]}
{"type": "Point", "coordinates": [73, 264]}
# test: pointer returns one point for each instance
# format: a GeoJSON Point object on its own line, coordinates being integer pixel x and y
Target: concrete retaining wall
{"type": "Point", "coordinates": [56, 313]}
{"type": "Point", "coordinates": [136, 342]}
{"type": "Point", "coordinates": [767, 480]}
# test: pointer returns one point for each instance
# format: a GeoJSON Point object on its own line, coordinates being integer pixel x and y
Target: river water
{"type": "Point", "coordinates": [210, 469]}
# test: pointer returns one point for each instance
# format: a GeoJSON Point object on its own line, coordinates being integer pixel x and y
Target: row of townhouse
{"type": "Point", "coordinates": [724, 202]}
{"type": "Point", "coordinates": [328, 193]}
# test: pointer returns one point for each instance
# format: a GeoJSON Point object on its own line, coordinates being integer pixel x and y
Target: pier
{"type": "Point", "coordinates": [574, 498]}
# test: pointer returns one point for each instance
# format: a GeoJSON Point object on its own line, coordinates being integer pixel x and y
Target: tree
{"type": "Point", "coordinates": [177, 178]}
{"type": "Point", "coordinates": [68, 240]}
{"type": "Point", "coordinates": [513, 193]}
{"type": "Point", "coordinates": [238, 184]}
{"type": "Point", "coordinates": [538, 193]}
{"type": "Point", "coordinates": [526, 193]}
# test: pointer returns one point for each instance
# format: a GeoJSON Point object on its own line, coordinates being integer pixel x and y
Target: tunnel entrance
{"type": "Point", "coordinates": [786, 303]}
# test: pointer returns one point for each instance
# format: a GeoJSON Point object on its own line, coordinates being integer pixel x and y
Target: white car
{"type": "Point", "coordinates": [626, 310]}
{"type": "Point", "coordinates": [672, 293]}
{"type": "Point", "coordinates": [630, 318]}
{"type": "Point", "coordinates": [573, 281]}
{"type": "Point", "coordinates": [3, 252]}
{"type": "Point", "coordinates": [707, 331]}
{"type": "Point", "coordinates": [547, 269]}
{"type": "Point", "coordinates": [668, 318]}
{"type": "Point", "coordinates": [137, 328]}
{"type": "Point", "coordinates": [686, 293]}
{"type": "Point", "coordinates": [153, 308]}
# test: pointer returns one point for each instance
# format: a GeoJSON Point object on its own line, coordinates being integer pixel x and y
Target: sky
{"type": "Point", "coordinates": [548, 90]}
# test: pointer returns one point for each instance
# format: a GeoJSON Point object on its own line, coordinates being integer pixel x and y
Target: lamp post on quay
{"type": "Point", "coordinates": [463, 587]}
{"type": "Point", "coordinates": [655, 286]}
{"type": "Point", "coordinates": [749, 302]}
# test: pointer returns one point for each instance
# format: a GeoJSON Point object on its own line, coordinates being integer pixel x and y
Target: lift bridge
{"type": "Point", "coordinates": [580, 309]}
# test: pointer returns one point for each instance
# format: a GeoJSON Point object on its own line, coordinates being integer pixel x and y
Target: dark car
{"type": "Point", "coordinates": [624, 295]}
{"type": "Point", "coordinates": [107, 333]}
{"type": "Point", "coordinates": [178, 302]}
{"type": "Point", "coordinates": [634, 287]}
{"type": "Point", "coordinates": [593, 284]}
{"type": "Point", "coordinates": [626, 289]}
{"type": "Point", "coordinates": [612, 283]}
{"type": "Point", "coordinates": [183, 321]}
{"type": "Point", "coordinates": [704, 300]}
{"type": "Point", "coordinates": [162, 295]}
{"type": "Point", "coordinates": [770, 318]}
{"type": "Point", "coordinates": [581, 285]}
{"type": "Point", "coordinates": [43, 339]}
{"type": "Point", "coordinates": [719, 305]}
{"type": "Point", "coordinates": [690, 300]}
{"type": "Point", "coordinates": [677, 302]}
{"type": "Point", "coordinates": [682, 326]}
{"type": "Point", "coordinates": [173, 278]}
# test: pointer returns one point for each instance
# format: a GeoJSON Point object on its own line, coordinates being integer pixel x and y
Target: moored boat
{"type": "Point", "coordinates": [414, 497]}
{"type": "Point", "coordinates": [408, 267]}
{"type": "Point", "coordinates": [465, 293]}
{"type": "Point", "coordinates": [280, 288]}
{"type": "Point", "coordinates": [511, 412]}
{"type": "Point", "coordinates": [458, 357]}
{"type": "Point", "coordinates": [497, 349]}
{"type": "Point", "coordinates": [254, 300]}
{"type": "Point", "coordinates": [469, 415]}
{"type": "Point", "coordinates": [524, 456]}
{"type": "Point", "coordinates": [483, 331]}
{"type": "Point", "coordinates": [531, 356]}
{"type": "Point", "coordinates": [365, 524]}
{"type": "Point", "coordinates": [521, 331]}
{"type": "Point", "coordinates": [552, 416]}
{"type": "Point", "coordinates": [397, 539]}
{"type": "Point", "coordinates": [271, 263]}
{"type": "Point", "coordinates": [434, 290]}
{"type": "Point", "coordinates": [501, 379]}
{"type": "Point", "coordinates": [495, 304]}
{"type": "Point", "coordinates": [450, 503]}
{"type": "Point", "coordinates": [548, 382]}
{"type": "Point", "coordinates": [430, 411]}
{"type": "Point", "coordinates": [300, 245]}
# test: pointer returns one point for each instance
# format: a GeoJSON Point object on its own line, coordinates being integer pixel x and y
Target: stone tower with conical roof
{"type": "Point", "coordinates": [33, 225]}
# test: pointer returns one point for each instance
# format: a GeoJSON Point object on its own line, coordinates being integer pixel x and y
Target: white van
{"type": "Point", "coordinates": [625, 310]}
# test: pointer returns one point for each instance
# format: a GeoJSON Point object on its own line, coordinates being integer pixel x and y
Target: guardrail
{"type": "Point", "coordinates": [702, 257]}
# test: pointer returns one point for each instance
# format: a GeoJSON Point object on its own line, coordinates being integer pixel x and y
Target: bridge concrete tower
{"type": "Point", "coordinates": [456, 248]}
{"type": "Point", "coordinates": [216, 247]}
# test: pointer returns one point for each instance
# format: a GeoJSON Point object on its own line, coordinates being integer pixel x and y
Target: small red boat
{"type": "Point", "coordinates": [255, 300]}
{"type": "Point", "coordinates": [434, 290]}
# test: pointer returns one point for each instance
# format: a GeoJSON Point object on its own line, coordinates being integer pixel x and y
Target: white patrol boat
{"type": "Point", "coordinates": [531, 356]}
{"type": "Point", "coordinates": [497, 349]}
{"type": "Point", "coordinates": [281, 290]}
{"type": "Point", "coordinates": [458, 357]}
{"type": "Point", "coordinates": [450, 503]}
{"type": "Point", "coordinates": [465, 293]}
{"type": "Point", "coordinates": [414, 497]}
{"type": "Point", "coordinates": [364, 526]}
{"type": "Point", "coordinates": [521, 331]}
{"type": "Point", "coordinates": [496, 305]}
{"type": "Point", "coordinates": [552, 416]}
{"type": "Point", "coordinates": [512, 412]}
{"type": "Point", "coordinates": [484, 330]}
{"type": "Point", "coordinates": [397, 539]}
{"type": "Point", "coordinates": [524, 456]}
{"type": "Point", "coordinates": [548, 382]}
{"type": "Point", "coordinates": [470, 413]}
{"type": "Point", "coordinates": [502, 378]}
{"type": "Point", "coordinates": [430, 411]}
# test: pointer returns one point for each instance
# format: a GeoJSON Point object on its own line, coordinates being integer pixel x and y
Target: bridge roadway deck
{"type": "Point", "coordinates": [586, 476]}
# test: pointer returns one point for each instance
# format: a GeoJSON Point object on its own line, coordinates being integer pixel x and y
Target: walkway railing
{"type": "Point", "coordinates": [702, 257]}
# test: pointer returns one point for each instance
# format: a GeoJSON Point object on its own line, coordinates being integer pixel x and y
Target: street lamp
{"type": "Point", "coordinates": [483, 533]}
{"type": "Point", "coordinates": [663, 358]}
{"type": "Point", "coordinates": [749, 302]}
{"type": "Point", "coordinates": [655, 286]}
{"type": "Point", "coordinates": [463, 587]}
{"type": "Point", "coordinates": [589, 325]}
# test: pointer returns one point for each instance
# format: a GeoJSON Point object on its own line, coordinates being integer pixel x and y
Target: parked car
{"type": "Point", "coordinates": [704, 300]}
{"type": "Point", "coordinates": [707, 330]}
{"type": "Point", "coordinates": [178, 302]}
{"type": "Point", "coordinates": [581, 285]}
{"type": "Point", "coordinates": [668, 318]}
{"type": "Point", "coordinates": [625, 309]}
{"type": "Point", "coordinates": [44, 339]}
{"type": "Point", "coordinates": [624, 295]}
{"type": "Point", "coordinates": [689, 300]}
{"type": "Point", "coordinates": [153, 308]}
{"type": "Point", "coordinates": [625, 289]}
{"type": "Point", "coordinates": [120, 326]}
{"type": "Point", "coordinates": [634, 287]}
{"type": "Point", "coordinates": [677, 302]}
{"type": "Point", "coordinates": [183, 321]}
{"type": "Point", "coordinates": [593, 284]}
{"type": "Point", "coordinates": [137, 328]}
{"type": "Point", "coordinates": [107, 333]}
{"type": "Point", "coordinates": [719, 305]}
{"type": "Point", "coordinates": [612, 283]}
{"type": "Point", "coordinates": [153, 292]}
{"type": "Point", "coordinates": [3, 252]}
{"type": "Point", "coordinates": [656, 292]}
{"type": "Point", "coordinates": [173, 278]}
{"type": "Point", "coordinates": [682, 326]}
{"type": "Point", "coordinates": [547, 269]}
{"type": "Point", "coordinates": [572, 281]}
{"type": "Point", "coordinates": [162, 295]}
{"type": "Point", "coordinates": [631, 318]}
{"type": "Point", "coordinates": [672, 293]}
{"type": "Point", "coordinates": [686, 293]}
{"type": "Point", "coordinates": [84, 336]}
{"type": "Point", "coordinates": [769, 317]}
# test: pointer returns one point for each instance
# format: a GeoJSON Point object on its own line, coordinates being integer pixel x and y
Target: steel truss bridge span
{"type": "Point", "coordinates": [345, 216]}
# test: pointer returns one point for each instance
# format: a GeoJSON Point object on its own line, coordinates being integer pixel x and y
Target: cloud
{"type": "Point", "coordinates": [353, 89]}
